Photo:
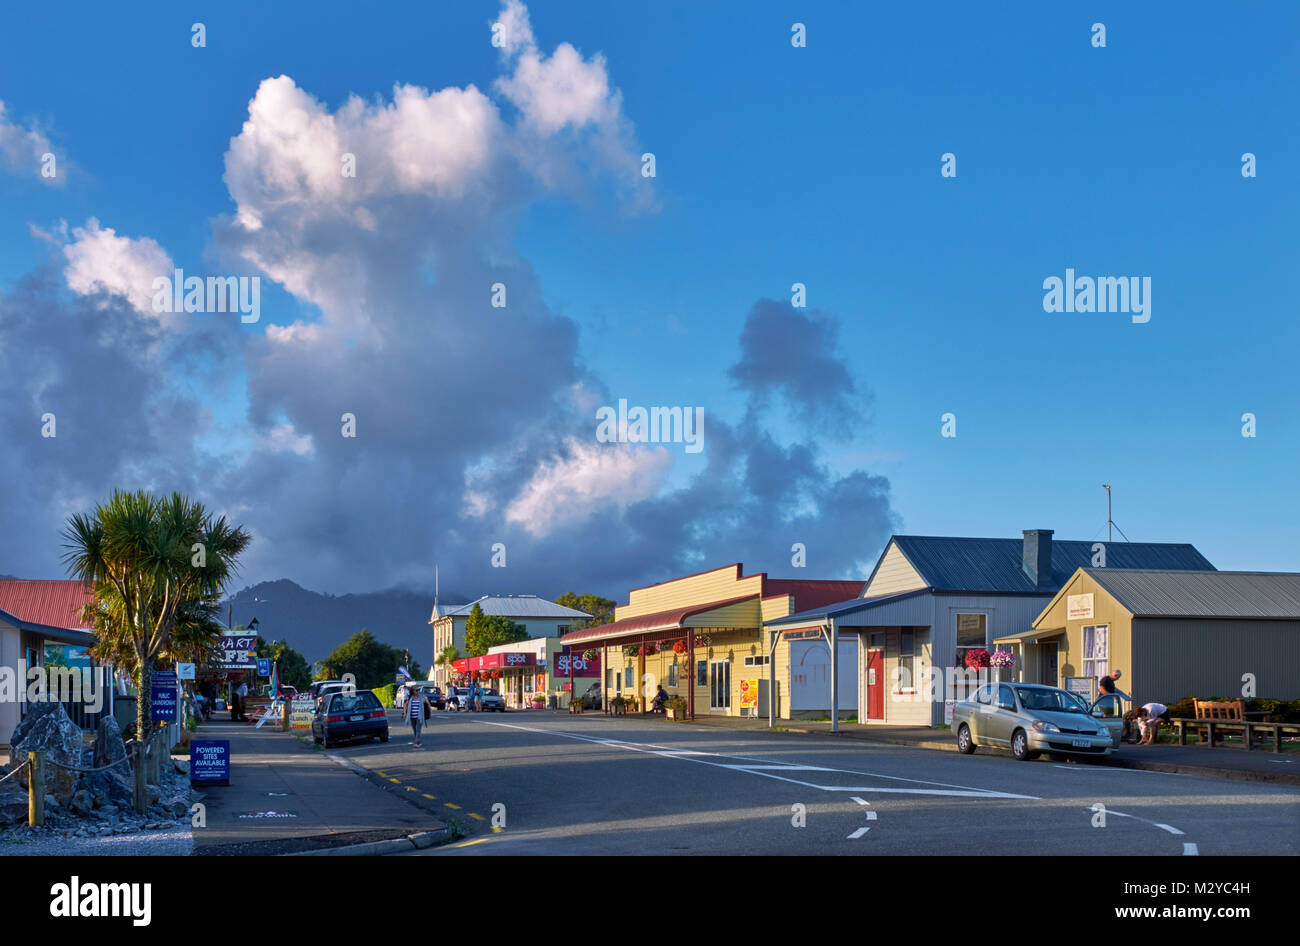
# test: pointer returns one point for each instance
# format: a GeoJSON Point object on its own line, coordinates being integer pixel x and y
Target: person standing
{"type": "Point", "coordinates": [417, 708]}
{"type": "Point", "coordinates": [1107, 683]}
{"type": "Point", "coordinates": [241, 692]}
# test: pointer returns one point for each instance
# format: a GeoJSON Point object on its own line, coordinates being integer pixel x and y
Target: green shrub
{"type": "Point", "coordinates": [387, 694]}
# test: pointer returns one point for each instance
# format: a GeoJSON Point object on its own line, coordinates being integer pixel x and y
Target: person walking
{"type": "Point", "coordinates": [418, 709]}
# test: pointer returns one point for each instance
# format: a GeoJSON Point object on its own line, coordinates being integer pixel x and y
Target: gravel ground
{"type": "Point", "coordinates": [109, 831]}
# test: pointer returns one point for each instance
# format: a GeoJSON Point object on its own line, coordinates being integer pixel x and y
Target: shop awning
{"type": "Point", "coordinates": [696, 615]}
{"type": "Point", "coordinates": [1029, 635]}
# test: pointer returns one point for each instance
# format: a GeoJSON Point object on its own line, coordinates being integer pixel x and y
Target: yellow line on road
{"type": "Point", "coordinates": [477, 817]}
{"type": "Point", "coordinates": [381, 774]}
{"type": "Point", "coordinates": [397, 780]}
{"type": "Point", "coordinates": [430, 797]}
{"type": "Point", "coordinates": [450, 805]}
{"type": "Point", "coordinates": [475, 841]}
{"type": "Point", "coordinates": [411, 788]}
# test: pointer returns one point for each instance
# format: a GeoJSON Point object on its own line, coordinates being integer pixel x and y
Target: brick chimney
{"type": "Point", "coordinates": [1036, 560]}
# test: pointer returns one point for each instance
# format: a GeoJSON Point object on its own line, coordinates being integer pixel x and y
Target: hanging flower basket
{"type": "Point", "coordinates": [630, 650]}
{"type": "Point", "coordinates": [977, 659]}
{"type": "Point", "coordinates": [590, 655]}
{"type": "Point", "coordinates": [1002, 659]}
{"type": "Point", "coordinates": [703, 640]}
{"type": "Point", "coordinates": [679, 647]}
{"type": "Point", "coordinates": [647, 650]}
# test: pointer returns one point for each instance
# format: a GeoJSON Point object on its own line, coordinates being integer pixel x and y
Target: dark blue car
{"type": "Point", "coordinates": [354, 715]}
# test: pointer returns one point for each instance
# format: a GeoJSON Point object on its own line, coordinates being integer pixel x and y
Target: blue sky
{"type": "Point", "coordinates": [817, 165]}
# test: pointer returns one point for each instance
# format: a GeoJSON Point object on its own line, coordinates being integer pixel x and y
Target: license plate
{"type": "Point", "coordinates": [1081, 743]}
{"type": "Point", "coordinates": [358, 718]}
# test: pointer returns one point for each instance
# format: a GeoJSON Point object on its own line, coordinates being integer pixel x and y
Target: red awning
{"type": "Point", "coordinates": [646, 623]}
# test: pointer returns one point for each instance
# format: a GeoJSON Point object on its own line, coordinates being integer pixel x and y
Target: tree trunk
{"type": "Point", "coordinates": [144, 699]}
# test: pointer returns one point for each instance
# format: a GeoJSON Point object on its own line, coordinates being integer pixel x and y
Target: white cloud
{"type": "Point", "coordinates": [572, 488]}
{"type": "Point", "coordinates": [101, 261]}
{"type": "Point", "coordinates": [282, 438]}
{"type": "Point", "coordinates": [21, 149]}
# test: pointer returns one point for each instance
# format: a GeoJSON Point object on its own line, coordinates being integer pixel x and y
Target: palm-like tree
{"type": "Point", "coordinates": [446, 658]}
{"type": "Point", "coordinates": [157, 566]}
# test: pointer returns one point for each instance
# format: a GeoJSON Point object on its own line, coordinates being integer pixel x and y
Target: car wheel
{"type": "Point", "coordinates": [1020, 747]}
{"type": "Point", "coordinates": [965, 744]}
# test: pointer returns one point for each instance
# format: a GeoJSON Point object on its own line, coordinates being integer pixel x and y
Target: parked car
{"type": "Point", "coordinates": [431, 692]}
{"type": "Point", "coordinates": [457, 698]}
{"type": "Point", "coordinates": [493, 702]}
{"type": "Point", "coordinates": [321, 688]}
{"type": "Point", "coordinates": [350, 715]}
{"type": "Point", "coordinates": [1028, 719]}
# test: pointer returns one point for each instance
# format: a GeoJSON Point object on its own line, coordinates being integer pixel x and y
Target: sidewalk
{"type": "Point", "coordinates": [285, 797]}
{"type": "Point", "coordinates": [1231, 763]}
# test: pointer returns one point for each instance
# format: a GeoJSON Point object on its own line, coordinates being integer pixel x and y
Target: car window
{"type": "Point", "coordinates": [1006, 697]}
{"type": "Point", "coordinates": [353, 703]}
{"type": "Point", "coordinates": [1050, 700]}
{"type": "Point", "coordinates": [984, 694]}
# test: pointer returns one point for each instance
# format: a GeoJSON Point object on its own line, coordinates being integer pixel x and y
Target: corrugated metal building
{"type": "Point", "coordinates": [1177, 634]}
{"type": "Point", "coordinates": [929, 600]}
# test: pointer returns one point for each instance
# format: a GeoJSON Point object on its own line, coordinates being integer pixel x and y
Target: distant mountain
{"type": "Point", "coordinates": [314, 624]}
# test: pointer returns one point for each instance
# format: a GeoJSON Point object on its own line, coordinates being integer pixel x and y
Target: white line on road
{"type": "Point", "coordinates": [944, 789]}
{"type": "Point", "coordinates": [1116, 768]}
{"type": "Point", "coordinates": [1189, 849]}
{"type": "Point", "coordinates": [861, 801]}
{"type": "Point", "coordinates": [1168, 828]}
{"type": "Point", "coordinates": [858, 833]}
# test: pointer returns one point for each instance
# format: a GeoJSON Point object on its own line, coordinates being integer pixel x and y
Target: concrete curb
{"type": "Point", "coordinates": [412, 842]}
{"type": "Point", "coordinates": [1174, 768]}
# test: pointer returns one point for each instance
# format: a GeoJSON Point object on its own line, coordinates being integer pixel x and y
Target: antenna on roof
{"type": "Point", "coordinates": [1110, 523]}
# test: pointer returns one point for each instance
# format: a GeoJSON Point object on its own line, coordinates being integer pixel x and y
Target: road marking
{"type": "Point", "coordinates": [942, 788]}
{"type": "Point", "coordinates": [1168, 828]}
{"type": "Point", "coordinates": [397, 780]}
{"type": "Point", "coordinates": [1156, 824]}
{"type": "Point", "coordinates": [861, 801]}
{"type": "Point", "coordinates": [477, 817]}
{"type": "Point", "coordinates": [381, 774]}
{"type": "Point", "coordinates": [1189, 849]}
{"type": "Point", "coordinates": [858, 833]}
{"type": "Point", "coordinates": [475, 841]}
{"type": "Point", "coordinates": [411, 788]}
{"type": "Point", "coordinates": [450, 805]}
{"type": "Point", "coordinates": [871, 815]}
{"type": "Point", "coordinates": [430, 797]}
{"type": "Point", "coordinates": [778, 768]}
{"type": "Point", "coordinates": [1116, 768]}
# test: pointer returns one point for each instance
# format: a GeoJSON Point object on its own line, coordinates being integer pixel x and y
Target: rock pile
{"type": "Point", "coordinates": [86, 804]}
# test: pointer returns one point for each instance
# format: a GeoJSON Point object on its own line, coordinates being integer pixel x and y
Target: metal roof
{"type": "Point", "coordinates": [1184, 594]}
{"type": "Point", "coordinates": [842, 608]}
{"type": "Point", "coordinates": [511, 606]}
{"type": "Point", "coordinates": [647, 623]}
{"type": "Point", "coordinates": [51, 603]}
{"type": "Point", "coordinates": [994, 565]}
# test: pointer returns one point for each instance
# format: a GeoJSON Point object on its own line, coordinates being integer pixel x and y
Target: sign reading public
{"type": "Point", "coordinates": [162, 696]}
{"type": "Point", "coordinates": [210, 762]}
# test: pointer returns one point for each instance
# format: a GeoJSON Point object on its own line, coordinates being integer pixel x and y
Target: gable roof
{"type": "Point", "coordinates": [510, 606]}
{"type": "Point", "coordinates": [993, 566]}
{"type": "Point", "coordinates": [1184, 594]}
{"type": "Point", "coordinates": [39, 604]}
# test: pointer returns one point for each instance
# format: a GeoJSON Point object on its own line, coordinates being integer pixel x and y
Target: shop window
{"type": "Point", "coordinates": [972, 634]}
{"type": "Point", "coordinates": [609, 679]}
{"type": "Point", "coordinates": [757, 661]}
{"type": "Point", "coordinates": [672, 674]}
{"type": "Point", "coordinates": [907, 661]}
{"type": "Point", "coordinates": [1096, 650]}
{"type": "Point", "coordinates": [876, 639]}
{"type": "Point", "coordinates": [702, 673]}
{"type": "Point", "coordinates": [629, 677]}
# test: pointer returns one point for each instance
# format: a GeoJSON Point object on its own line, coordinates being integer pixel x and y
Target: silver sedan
{"type": "Point", "coordinates": [1029, 719]}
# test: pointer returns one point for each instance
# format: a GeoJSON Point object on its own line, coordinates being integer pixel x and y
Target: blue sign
{"type": "Point", "coordinates": [263, 666]}
{"type": "Point", "coordinates": [162, 701]}
{"type": "Point", "coordinates": [210, 762]}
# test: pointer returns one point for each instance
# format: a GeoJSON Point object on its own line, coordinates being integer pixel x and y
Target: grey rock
{"type": "Point", "coordinates": [48, 728]}
{"type": "Point", "coordinates": [176, 806]}
{"type": "Point", "coordinates": [83, 803]}
{"type": "Point", "coordinates": [109, 788]}
{"type": "Point", "coordinates": [182, 766]}
{"type": "Point", "coordinates": [13, 806]}
{"type": "Point", "coordinates": [109, 745]}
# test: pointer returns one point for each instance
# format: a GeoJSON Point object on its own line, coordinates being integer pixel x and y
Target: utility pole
{"type": "Point", "coordinates": [1109, 521]}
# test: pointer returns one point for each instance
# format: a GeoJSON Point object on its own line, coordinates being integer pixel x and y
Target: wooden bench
{"type": "Point", "coordinates": [1248, 729]}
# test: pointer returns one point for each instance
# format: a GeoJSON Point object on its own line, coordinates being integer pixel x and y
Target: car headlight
{"type": "Point", "coordinates": [1043, 726]}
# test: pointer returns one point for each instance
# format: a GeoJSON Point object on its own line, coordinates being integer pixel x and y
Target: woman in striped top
{"type": "Point", "coordinates": [415, 705]}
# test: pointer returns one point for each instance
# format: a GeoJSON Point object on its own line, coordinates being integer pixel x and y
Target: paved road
{"type": "Point", "coordinates": [590, 784]}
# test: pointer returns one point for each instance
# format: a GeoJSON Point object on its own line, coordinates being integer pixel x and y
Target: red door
{"type": "Point", "coordinates": [875, 684]}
